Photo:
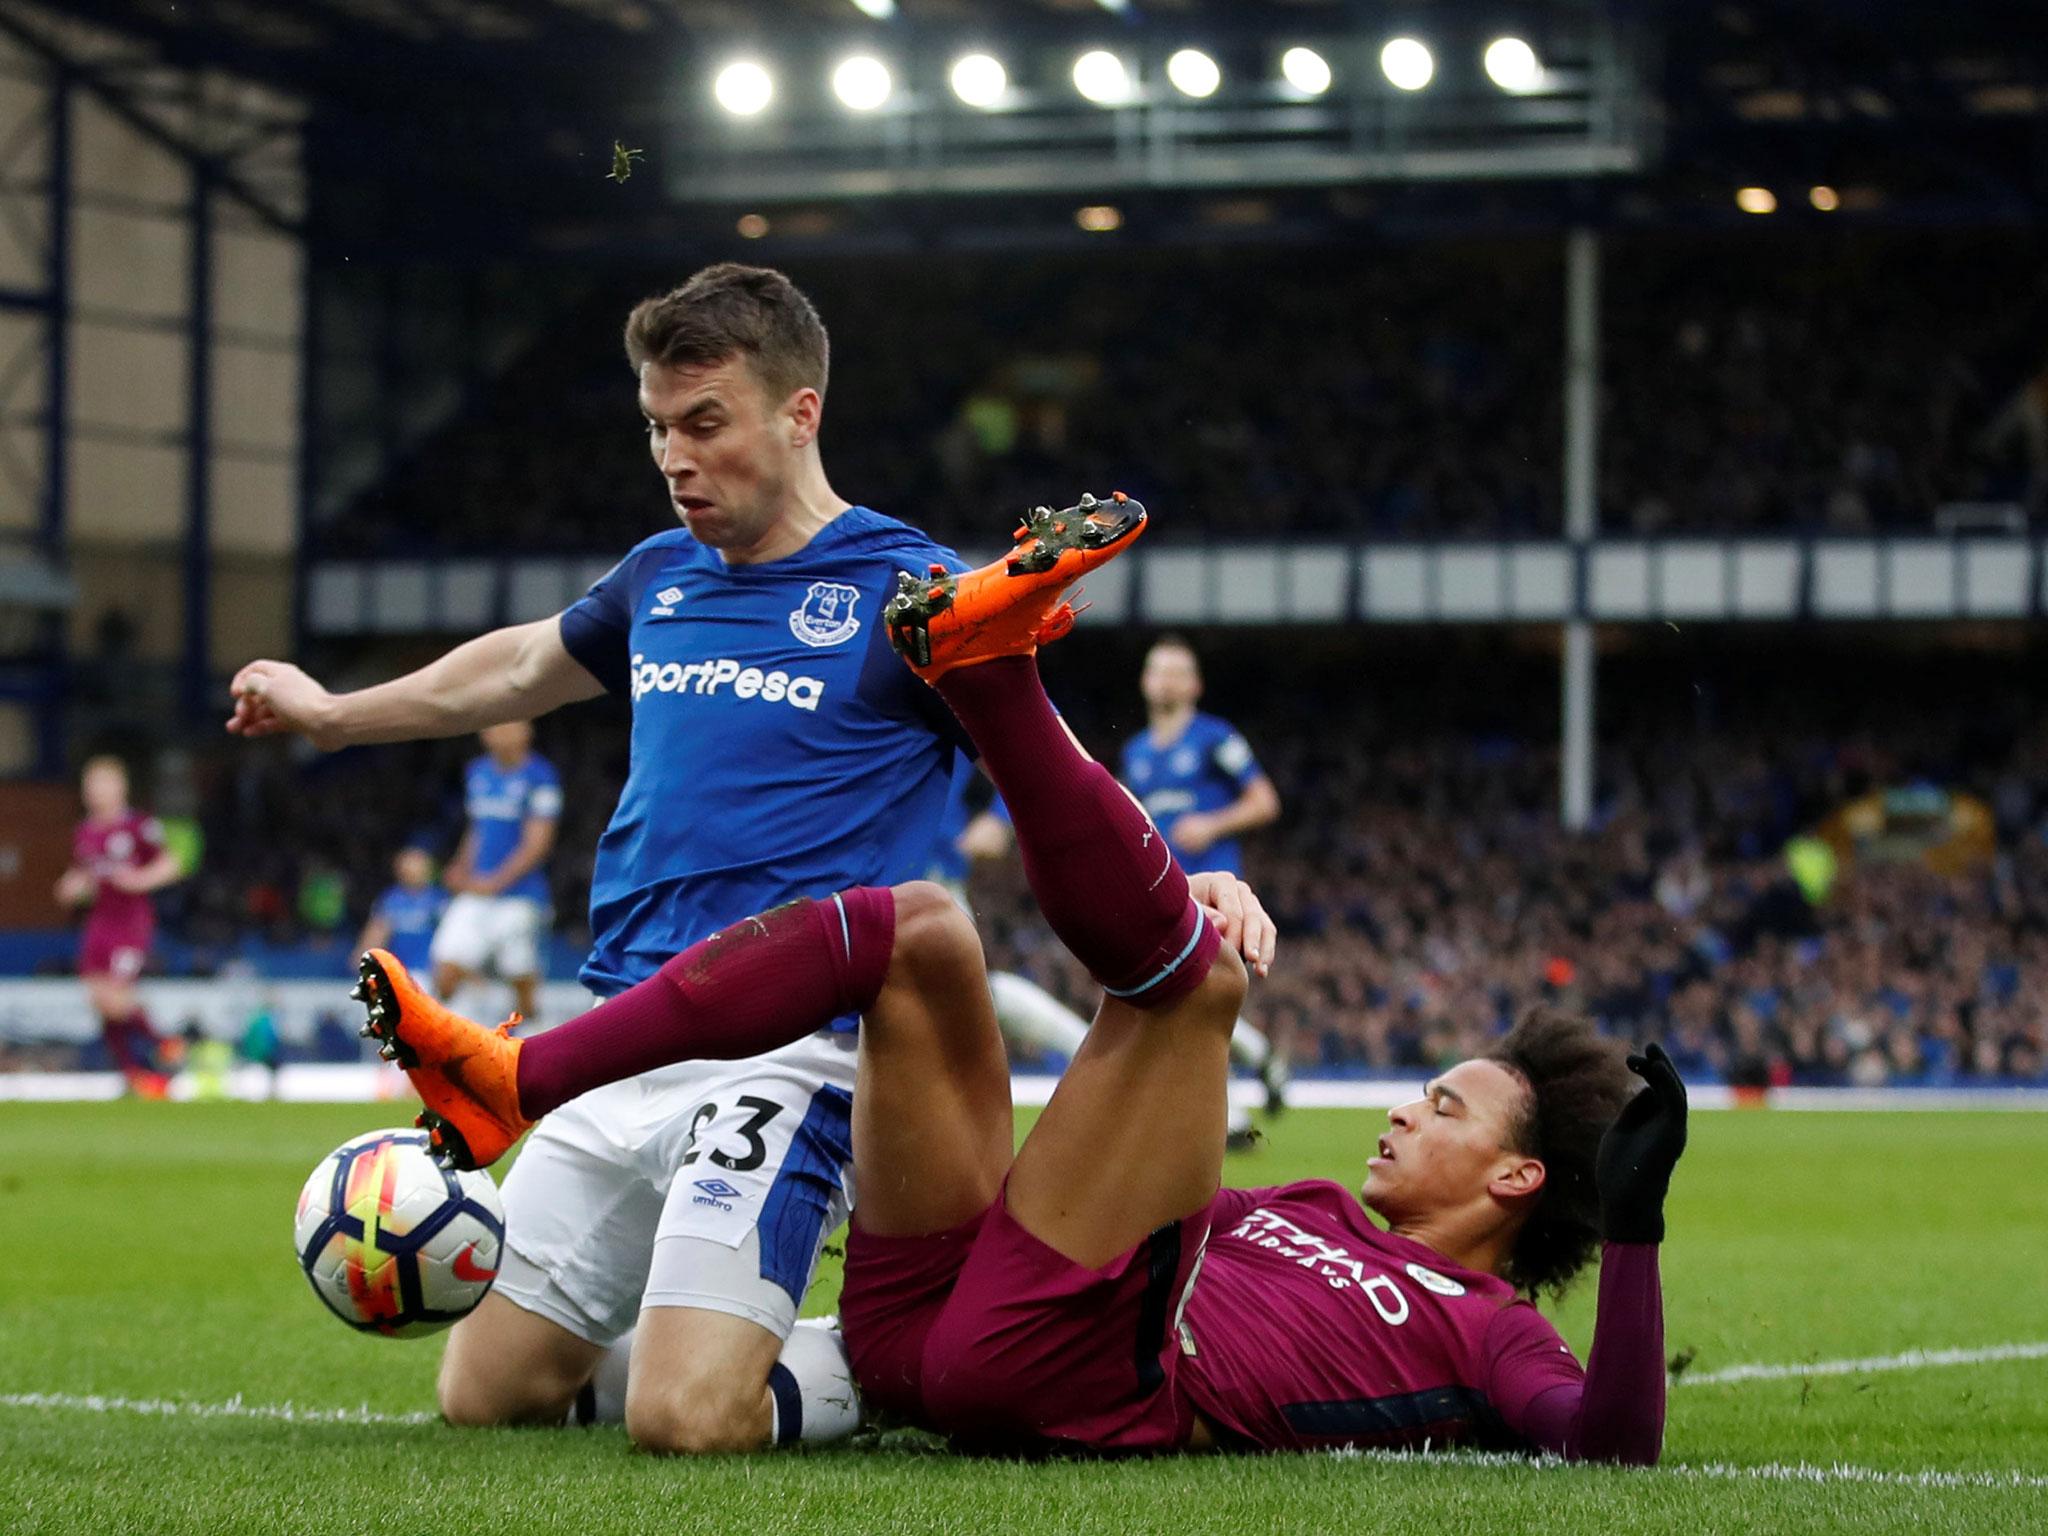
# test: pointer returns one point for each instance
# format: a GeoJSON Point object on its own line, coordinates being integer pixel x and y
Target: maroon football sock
{"type": "Point", "coordinates": [119, 1035]}
{"type": "Point", "coordinates": [1099, 868]}
{"type": "Point", "coordinates": [762, 983]}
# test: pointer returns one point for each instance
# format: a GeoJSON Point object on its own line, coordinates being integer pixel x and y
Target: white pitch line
{"type": "Point", "coordinates": [1770, 1472]}
{"type": "Point", "coordinates": [233, 1408]}
{"type": "Point", "coordinates": [1722, 1471]}
{"type": "Point", "coordinates": [1911, 1360]}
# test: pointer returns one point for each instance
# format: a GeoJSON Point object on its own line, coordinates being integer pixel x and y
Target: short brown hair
{"type": "Point", "coordinates": [732, 310]}
{"type": "Point", "coordinates": [1578, 1081]}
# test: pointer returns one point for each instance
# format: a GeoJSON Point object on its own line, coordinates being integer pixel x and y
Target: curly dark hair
{"type": "Point", "coordinates": [1578, 1082]}
{"type": "Point", "coordinates": [728, 310]}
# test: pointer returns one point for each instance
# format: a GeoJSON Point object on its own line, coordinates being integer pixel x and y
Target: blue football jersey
{"type": "Point", "coordinates": [498, 802]}
{"type": "Point", "coordinates": [412, 916]}
{"type": "Point", "coordinates": [948, 864]}
{"type": "Point", "coordinates": [780, 748]}
{"type": "Point", "coordinates": [1203, 769]}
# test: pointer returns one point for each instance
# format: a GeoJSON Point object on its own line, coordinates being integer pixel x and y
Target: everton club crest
{"type": "Point", "coordinates": [826, 616]}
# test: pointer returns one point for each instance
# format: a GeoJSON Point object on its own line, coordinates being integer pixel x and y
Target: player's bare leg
{"type": "Point", "coordinates": [450, 978]}
{"type": "Point", "coordinates": [933, 1128]}
{"type": "Point", "coordinates": [698, 1382]}
{"type": "Point", "coordinates": [1133, 1137]}
{"type": "Point", "coordinates": [505, 1365]}
{"type": "Point", "coordinates": [526, 997]}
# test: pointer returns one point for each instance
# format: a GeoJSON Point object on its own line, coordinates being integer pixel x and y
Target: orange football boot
{"type": "Point", "coordinates": [466, 1074]}
{"type": "Point", "coordinates": [941, 620]}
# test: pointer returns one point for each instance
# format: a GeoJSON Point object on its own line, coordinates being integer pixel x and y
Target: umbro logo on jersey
{"type": "Point", "coordinates": [665, 602]}
{"type": "Point", "coordinates": [709, 677]}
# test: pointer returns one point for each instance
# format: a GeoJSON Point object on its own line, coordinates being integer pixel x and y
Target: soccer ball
{"type": "Point", "coordinates": [394, 1243]}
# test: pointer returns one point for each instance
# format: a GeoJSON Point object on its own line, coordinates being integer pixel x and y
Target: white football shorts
{"type": "Point", "coordinates": [709, 1184]}
{"type": "Point", "coordinates": [491, 935]}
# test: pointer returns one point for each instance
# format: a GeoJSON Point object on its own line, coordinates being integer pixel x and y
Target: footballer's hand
{"type": "Point", "coordinates": [74, 887]}
{"type": "Point", "coordinates": [275, 698]}
{"type": "Point", "coordinates": [1639, 1151]}
{"type": "Point", "coordinates": [1240, 920]}
{"type": "Point", "coordinates": [1194, 832]}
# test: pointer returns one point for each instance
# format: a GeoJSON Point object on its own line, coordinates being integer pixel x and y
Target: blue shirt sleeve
{"type": "Point", "coordinates": [544, 794]}
{"type": "Point", "coordinates": [889, 684]}
{"type": "Point", "coordinates": [597, 629]}
{"type": "Point", "coordinates": [1232, 757]}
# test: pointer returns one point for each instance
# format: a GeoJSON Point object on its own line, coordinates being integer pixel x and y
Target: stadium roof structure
{"type": "Point", "coordinates": [491, 125]}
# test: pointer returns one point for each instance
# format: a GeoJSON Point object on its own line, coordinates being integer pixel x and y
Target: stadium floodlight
{"type": "Point", "coordinates": [1306, 70]}
{"type": "Point", "coordinates": [861, 82]}
{"type": "Point", "coordinates": [1099, 218]}
{"type": "Point", "coordinates": [1756, 200]}
{"type": "Point", "coordinates": [980, 80]}
{"type": "Point", "coordinates": [1101, 77]}
{"type": "Point", "coordinates": [1824, 199]}
{"type": "Point", "coordinates": [744, 88]}
{"type": "Point", "coordinates": [1512, 64]}
{"type": "Point", "coordinates": [1407, 64]}
{"type": "Point", "coordinates": [881, 10]}
{"type": "Point", "coordinates": [1194, 73]}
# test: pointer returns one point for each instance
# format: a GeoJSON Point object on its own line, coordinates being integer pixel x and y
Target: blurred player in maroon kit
{"type": "Point", "coordinates": [1096, 1290]}
{"type": "Point", "coordinates": [118, 858]}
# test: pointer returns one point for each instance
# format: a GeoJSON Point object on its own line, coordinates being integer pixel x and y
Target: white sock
{"type": "Point", "coordinates": [1249, 1048]}
{"type": "Point", "coordinates": [811, 1386]}
{"type": "Point", "coordinates": [1240, 1119]}
{"type": "Point", "coordinates": [603, 1398]}
{"type": "Point", "coordinates": [1032, 1017]}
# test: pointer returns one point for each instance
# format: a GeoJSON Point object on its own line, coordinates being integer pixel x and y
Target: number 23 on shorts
{"type": "Point", "coordinates": [760, 1113]}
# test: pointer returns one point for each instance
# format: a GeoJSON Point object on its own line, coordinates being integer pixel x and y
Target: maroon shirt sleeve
{"type": "Point", "coordinates": [1614, 1410]}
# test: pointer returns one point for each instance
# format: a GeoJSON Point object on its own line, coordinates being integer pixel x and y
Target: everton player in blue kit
{"type": "Point", "coordinates": [497, 922]}
{"type": "Point", "coordinates": [1194, 773]}
{"type": "Point", "coordinates": [779, 750]}
{"type": "Point", "coordinates": [404, 917]}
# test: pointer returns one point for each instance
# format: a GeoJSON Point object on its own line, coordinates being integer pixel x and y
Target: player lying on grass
{"type": "Point", "coordinates": [1097, 1290]}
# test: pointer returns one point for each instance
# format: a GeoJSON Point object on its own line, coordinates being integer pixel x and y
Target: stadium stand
{"type": "Point", "coordinates": [1796, 383]}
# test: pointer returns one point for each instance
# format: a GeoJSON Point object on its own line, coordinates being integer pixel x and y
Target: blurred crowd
{"type": "Point", "coordinates": [1752, 381]}
{"type": "Point", "coordinates": [1427, 897]}
{"type": "Point", "coordinates": [1425, 890]}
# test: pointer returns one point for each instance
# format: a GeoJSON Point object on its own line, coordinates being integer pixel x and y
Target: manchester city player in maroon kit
{"type": "Point", "coordinates": [118, 858]}
{"type": "Point", "coordinates": [1097, 1290]}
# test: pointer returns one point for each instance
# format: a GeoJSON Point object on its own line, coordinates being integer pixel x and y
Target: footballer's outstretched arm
{"type": "Point", "coordinates": [513, 673]}
{"type": "Point", "coordinates": [1616, 1412]}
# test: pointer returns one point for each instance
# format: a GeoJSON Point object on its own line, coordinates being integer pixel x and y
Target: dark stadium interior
{"type": "Point", "coordinates": [1810, 382]}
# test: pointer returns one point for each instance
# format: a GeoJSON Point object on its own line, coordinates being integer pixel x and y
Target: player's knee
{"type": "Point", "coordinates": [931, 927]}
{"type": "Point", "coordinates": [472, 1396]}
{"type": "Point", "coordinates": [1219, 996]}
{"type": "Point", "coordinates": [687, 1422]}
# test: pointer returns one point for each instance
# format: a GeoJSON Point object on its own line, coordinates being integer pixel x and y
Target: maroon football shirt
{"type": "Point", "coordinates": [131, 840]}
{"type": "Point", "coordinates": [1308, 1326]}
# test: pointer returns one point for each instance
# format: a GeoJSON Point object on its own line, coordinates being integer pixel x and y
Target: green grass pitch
{"type": "Point", "coordinates": [147, 1257]}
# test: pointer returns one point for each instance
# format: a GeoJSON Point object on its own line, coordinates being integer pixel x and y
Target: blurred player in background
{"type": "Point", "coordinates": [497, 918]}
{"type": "Point", "coordinates": [1196, 776]}
{"type": "Point", "coordinates": [404, 917]}
{"type": "Point", "coordinates": [663, 1232]}
{"type": "Point", "coordinates": [118, 858]}
{"type": "Point", "coordinates": [1194, 773]}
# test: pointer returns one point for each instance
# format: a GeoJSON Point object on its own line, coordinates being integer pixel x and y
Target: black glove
{"type": "Point", "coordinates": [1639, 1151]}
